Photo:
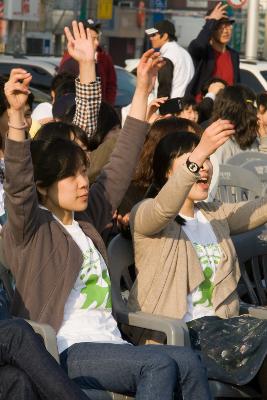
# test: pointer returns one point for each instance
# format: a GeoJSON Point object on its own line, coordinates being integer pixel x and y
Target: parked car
{"type": "Point", "coordinates": [126, 83]}
{"type": "Point", "coordinates": [254, 75]}
{"type": "Point", "coordinates": [42, 72]}
{"type": "Point", "coordinates": [39, 96]}
{"type": "Point", "coordinates": [44, 69]}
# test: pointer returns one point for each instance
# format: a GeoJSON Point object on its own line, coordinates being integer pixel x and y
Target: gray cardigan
{"type": "Point", "coordinates": [42, 256]}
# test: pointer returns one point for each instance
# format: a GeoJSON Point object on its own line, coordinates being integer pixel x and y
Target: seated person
{"type": "Point", "coordinates": [143, 176]}
{"type": "Point", "coordinates": [186, 263]}
{"type": "Point", "coordinates": [53, 228]}
{"type": "Point", "coordinates": [27, 370]}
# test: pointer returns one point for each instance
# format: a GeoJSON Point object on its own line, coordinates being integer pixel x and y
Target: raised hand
{"type": "Point", "coordinates": [215, 87]}
{"type": "Point", "coordinates": [80, 43]}
{"type": "Point", "coordinates": [212, 138]}
{"type": "Point", "coordinates": [17, 88]}
{"type": "Point", "coordinates": [147, 70]}
{"type": "Point", "coordinates": [153, 106]}
{"type": "Point", "coordinates": [218, 12]}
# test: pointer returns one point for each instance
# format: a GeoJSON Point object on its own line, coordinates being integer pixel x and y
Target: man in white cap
{"type": "Point", "coordinates": [178, 71]}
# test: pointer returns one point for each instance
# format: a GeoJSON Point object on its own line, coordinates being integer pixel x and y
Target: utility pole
{"type": "Point", "coordinates": [252, 29]}
{"type": "Point", "coordinates": [84, 10]}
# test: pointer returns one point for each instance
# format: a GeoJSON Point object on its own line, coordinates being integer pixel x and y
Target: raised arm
{"type": "Point", "coordinates": [108, 190]}
{"type": "Point", "coordinates": [198, 47]}
{"type": "Point", "coordinates": [153, 215]}
{"type": "Point", "coordinates": [88, 88]}
{"type": "Point", "coordinates": [21, 198]}
{"type": "Point", "coordinates": [244, 216]}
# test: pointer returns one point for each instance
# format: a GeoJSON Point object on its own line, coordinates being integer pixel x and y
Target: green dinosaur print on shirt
{"type": "Point", "coordinates": [96, 293]}
{"type": "Point", "coordinates": [206, 288]}
{"type": "Point", "coordinates": [208, 255]}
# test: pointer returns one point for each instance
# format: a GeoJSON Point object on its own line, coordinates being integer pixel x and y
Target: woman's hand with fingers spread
{"type": "Point", "coordinates": [153, 107]}
{"type": "Point", "coordinates": [80, 43]}
{"type": "Point", "coordinates": [147, 70]}
{"type": "Point", "coordinates": [17, 88]}
{"type": "Point", "coordinates": [213, 137]}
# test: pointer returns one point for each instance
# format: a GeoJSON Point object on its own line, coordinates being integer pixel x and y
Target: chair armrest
{"type": "Point", "coordinates": [49, 336]}
{"type": "Point", "coordinates": [175, 330]}
{"type": "Point", "coordinates": [253, 311]}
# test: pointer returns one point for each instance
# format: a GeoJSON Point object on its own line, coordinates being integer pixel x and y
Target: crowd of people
{"type": "Point", "coordinates": [73, 176]}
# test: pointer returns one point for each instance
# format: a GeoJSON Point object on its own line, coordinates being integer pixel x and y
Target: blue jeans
{"type": "Point", "coordinates": [27, 370]}
{"type": "Point", "coordinates": [151, 372]}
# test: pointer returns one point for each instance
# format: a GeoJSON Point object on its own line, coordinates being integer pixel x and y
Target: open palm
{"type": "Point", "coordinates": [148, 68]}
{"type": "Point", "coordinates": [80, 44]}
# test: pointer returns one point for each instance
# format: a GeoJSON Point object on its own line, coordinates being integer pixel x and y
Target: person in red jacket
{"type": "Point", "coordinates": [104, 65]}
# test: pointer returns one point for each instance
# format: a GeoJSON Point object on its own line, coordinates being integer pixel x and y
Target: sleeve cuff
{"type": "Point", "coordinates": [210, 96]}
{"type": "Point", "coordinates": [84, 90]}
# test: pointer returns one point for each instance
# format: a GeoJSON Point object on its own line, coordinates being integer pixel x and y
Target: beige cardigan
{"type": "Point", "coordinates": [166, 262]}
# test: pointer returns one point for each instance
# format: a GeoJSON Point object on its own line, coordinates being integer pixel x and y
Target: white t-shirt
{"type": "Point", "coordinates": [202, 237]}
{"type": "Point", "coordinates": [183, 67]}
{"type": "Point", "coordinates": [87, 312]}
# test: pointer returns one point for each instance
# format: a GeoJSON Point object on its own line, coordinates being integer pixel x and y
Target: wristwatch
{"type": "Point", "coordinates": [192, 166]}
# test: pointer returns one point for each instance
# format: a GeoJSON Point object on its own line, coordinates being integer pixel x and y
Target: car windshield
{"type": "Point", "coordinates": [249, 79]}
{"type": "Point", "coordinates": [264, 74]}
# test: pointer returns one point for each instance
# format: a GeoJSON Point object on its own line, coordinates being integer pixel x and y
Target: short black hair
{"type": "Point", "coordinates": [59, 79]}
{"type": "Point", "coordinates": [55, 160]}
{"type": "Point", "coordinates": [171, 146]}
{"type": "Point", "coordinates": [189, 101]}
{"type": "Point", "coordinates": [61, 130]}
{"type": "Point", "coordinates": [107, 120]}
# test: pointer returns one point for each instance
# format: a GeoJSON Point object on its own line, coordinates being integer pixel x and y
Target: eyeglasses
{"type": "Point", "coordinates": [221, 27]}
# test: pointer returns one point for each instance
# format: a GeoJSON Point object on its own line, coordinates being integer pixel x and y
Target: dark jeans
{"type": "Point", "coordinates": [150, 372]}
{"type": "Point", "coordinates": [16, 385]}
{"type": "Point", "coordinates": [27, 370]}
{"type": "Point", "coordinates": [4, 305]}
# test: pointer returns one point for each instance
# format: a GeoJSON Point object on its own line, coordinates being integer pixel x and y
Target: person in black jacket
{"type": "Point", "coordinates": [211, 54]}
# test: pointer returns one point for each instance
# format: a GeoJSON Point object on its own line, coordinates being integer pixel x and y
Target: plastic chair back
{"type": "Point", "coordinates": [260, 169]}
{"type": "Point", "coordinates": [251, 248]}
{"type": "Point", "coordinates": [241, 158]}
{"type": "Point", "coordinates": [237, 184]}
{"type": "Point", "coordinates": [121, 256]}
